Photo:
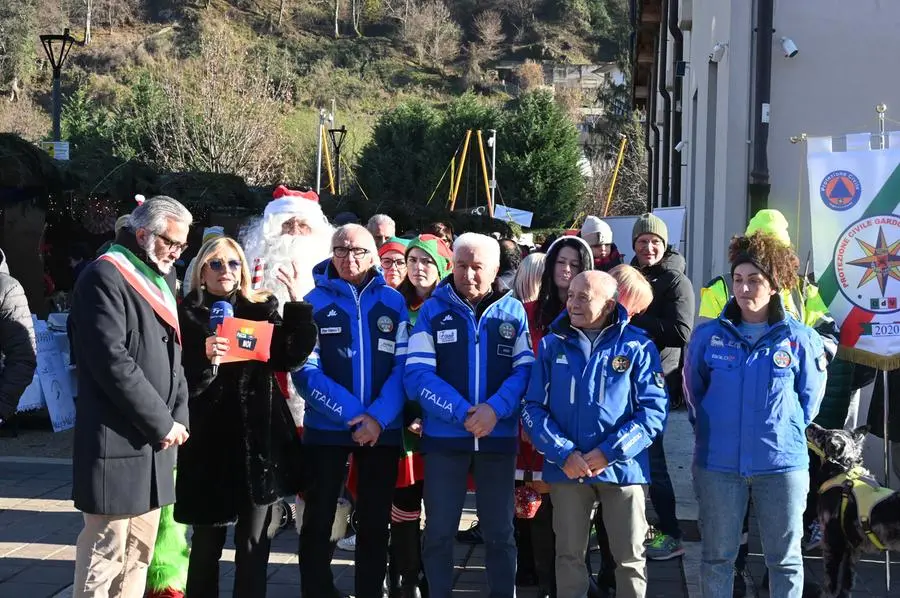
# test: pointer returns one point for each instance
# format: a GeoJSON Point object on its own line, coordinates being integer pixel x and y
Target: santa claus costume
{"type": "Point", "coordinates": [292, 236]}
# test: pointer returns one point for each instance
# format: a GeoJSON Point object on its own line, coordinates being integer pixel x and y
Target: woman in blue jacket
{"type": "Point", "coordinates": [754, 379]}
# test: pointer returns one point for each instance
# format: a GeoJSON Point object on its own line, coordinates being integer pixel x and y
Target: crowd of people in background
{"type": "Point", "coordinates": [405, 372]}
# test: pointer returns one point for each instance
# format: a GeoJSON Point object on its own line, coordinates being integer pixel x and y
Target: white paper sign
{"type": "Point", "coordinates": [55, 378]}
{"type": "Point", "coordinates": [33, 397]}
{"type": "Point", "coordinates": [520, 217]}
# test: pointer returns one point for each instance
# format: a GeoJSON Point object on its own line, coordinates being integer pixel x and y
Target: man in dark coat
{"type": "Point", "coordinates": [131, 410]}
{"type": "Point", "coordinates": [16, 343]}
{"type": "Point", "coordinates": [668, 322]}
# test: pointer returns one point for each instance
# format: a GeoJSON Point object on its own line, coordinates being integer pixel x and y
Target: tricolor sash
{"type": "Point", "coordinates": [148, 284]}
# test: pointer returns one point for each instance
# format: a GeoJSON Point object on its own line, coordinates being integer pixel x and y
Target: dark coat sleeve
{"type": "Point", "coordinates": [198, 373]}
{"type": "Point", "coordinates": [99, 325]}
{"type": "Point", "coordinates": [671, 325]}
{"type": "Point", "coordinates": [294, 337]}
{"type": "Point", "coordinates": [16, 345]}
{"type": "Point", "coordinates": [180, 410]}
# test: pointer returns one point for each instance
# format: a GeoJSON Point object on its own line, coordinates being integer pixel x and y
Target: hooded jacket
{"type": "Point", "coordinates": [609, 394]}
{"type": "Point", "coordinates": [750, 405]}
{"type": "Point", "coordinates": [17, 344]}
{"type": "Point", "coordinates": [458, 359]}
{"type": "Point", "coordinates": [670, 317]}
{"type": "Point", "coordinates": [357, 365]}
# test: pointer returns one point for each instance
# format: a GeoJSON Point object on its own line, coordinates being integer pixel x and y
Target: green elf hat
{"type": "Point", "coordinates": [393, 244]}
{"type": "Point", "coordinates": [437, 249]}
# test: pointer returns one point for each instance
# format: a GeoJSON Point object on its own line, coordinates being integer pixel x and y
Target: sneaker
{"type": "Point", "coordinates": [814, 539]}
{"type": "Point", "coordinates": [347, 544]}
{"type": "Point", "coordinates": [744, 587]}
{"type": "Point", "coordinates": [663, 548]}
{"type": "Point", "coordinates": [471, 535]}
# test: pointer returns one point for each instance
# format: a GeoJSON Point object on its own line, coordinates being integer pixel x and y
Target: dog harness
{"type": "Point", "coordinates": [866, 491]}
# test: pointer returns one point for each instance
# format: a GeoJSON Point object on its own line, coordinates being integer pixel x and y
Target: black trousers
{"type": "Point", "coordinates": [252, 543]}
{"type": "Point", "coordinates": [376, 477]}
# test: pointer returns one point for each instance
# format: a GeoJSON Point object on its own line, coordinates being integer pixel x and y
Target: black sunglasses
{"type": "Point", "coordinates": [219, 265]}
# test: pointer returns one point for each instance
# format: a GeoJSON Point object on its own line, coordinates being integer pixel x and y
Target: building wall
{"type": "Point", "coordinates": [829, 88]}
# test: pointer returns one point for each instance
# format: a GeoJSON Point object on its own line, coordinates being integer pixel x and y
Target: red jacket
{"type": "Point", "coordinates": [528, 458]}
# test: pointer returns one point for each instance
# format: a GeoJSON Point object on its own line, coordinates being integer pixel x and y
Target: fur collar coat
{"type": "Point", "coordinates": [243, 450]}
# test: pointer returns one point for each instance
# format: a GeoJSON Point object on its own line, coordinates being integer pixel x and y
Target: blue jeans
{"type": "Point", "coordinates": [779, 500]}
{"type": "Point", "coordinates": [662, 495]}
{"type": "Point", "coordinates": [446, 474]}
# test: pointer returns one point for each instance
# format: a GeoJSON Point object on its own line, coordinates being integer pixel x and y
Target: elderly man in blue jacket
{"type": "Point", "coordinates": [596, 400]}
{"type": "Point", "coordinates": [468, 366]}
{"type": "Point", "coordinates": [352, 384]}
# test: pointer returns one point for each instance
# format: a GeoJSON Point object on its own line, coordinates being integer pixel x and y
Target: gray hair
{"type": "Point", "coordinates": [379, 219]}
{"type": "Point", "coordinates": [342, 232]}
{"type": "Point", "coordinates": [153, 214]}
{"type": "Point", "coordinates": [474, 242]}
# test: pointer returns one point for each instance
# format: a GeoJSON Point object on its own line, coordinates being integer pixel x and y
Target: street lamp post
{"type": "Point", "coordinates": [337, 139]}
{"type": "Point", "coordinates": [57, 48]}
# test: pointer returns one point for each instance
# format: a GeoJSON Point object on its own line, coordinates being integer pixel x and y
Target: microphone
{"type": "Point", "coordinates": [217, 314]}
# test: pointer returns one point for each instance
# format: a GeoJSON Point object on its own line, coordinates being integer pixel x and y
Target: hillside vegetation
{"type": "Point", "coordinates": [235, 87]}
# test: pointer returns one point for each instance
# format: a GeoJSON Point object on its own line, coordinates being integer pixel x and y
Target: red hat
{"type": "Point", "coordinates": [282, 191]}
{"type": "Point", "coordinates": [289, 201]}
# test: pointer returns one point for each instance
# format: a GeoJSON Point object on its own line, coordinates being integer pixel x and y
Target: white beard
{"type": "Point", "coordinates": [278, 250]}
{"type": "Point", "coordinates": [304, 252]}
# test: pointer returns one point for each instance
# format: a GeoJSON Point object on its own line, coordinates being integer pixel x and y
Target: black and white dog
{"type": "Point", "coordinates": [846, 534]}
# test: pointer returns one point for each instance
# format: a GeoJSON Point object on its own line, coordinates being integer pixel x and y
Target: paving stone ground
{"type": "Point", "coordinates": [38, 528]}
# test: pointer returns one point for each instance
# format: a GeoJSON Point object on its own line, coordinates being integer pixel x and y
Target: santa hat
{"type": "Point", "coordinates": [289, 201]}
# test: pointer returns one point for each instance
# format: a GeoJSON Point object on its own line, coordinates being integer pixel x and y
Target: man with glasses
{"type": "Point", "coordinates": [131, 411]}
{"type": "Point", "coordinates": [354, 395]}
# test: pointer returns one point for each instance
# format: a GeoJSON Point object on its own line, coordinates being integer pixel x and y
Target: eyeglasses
{"type": "Point", "coordinates": [387, 263]}
{"type": "Point", "coordinates": [219, 265]}
{"type": "Point", "coordinates": [172, 244]}
{"type": "Point", "coordinates": [356, 252]}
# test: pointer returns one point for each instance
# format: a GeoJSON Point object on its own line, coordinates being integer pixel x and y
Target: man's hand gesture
{"type": "Point", "coordinates": [366, 430]}
{"type": "Point", "coordinates": [481, 420]}
{"type": "Point", "coordinates": [177, 436]}
{"type": "Point", "coordinates": [576, 467]}
{"type": "Point", "coordinates": [597, 461]}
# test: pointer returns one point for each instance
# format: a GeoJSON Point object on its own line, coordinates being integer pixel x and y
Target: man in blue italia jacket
{"type": "Point", "coordinates": [468, 366]}
{"type": "Point", "coordinates": [352, 384]}
{"type": "Point", "coordinates": [596, 400]}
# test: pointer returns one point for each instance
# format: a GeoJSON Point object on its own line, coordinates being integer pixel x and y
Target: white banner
{"type": "Point", "coordinates": [854, 197]}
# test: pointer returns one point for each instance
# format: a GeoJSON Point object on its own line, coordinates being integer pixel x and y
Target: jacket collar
{"type": "Point", "coordinates": [446, 291]}
{"type": "Point", "coordinates": [732, 312]}
{"type": "Point", "coordinates": [243, 308]}
{"type": "Point", "coordinates": [562, 325]}
{"type": "Point", "coordinates": [325, 275]}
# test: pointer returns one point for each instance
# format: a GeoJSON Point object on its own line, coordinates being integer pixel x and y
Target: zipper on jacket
{"type": "Point", "coordinates": [362, 346]}
{"type": "Point", "coordinates": [477, 322]}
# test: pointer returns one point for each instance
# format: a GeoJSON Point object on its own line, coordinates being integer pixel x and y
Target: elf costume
{"type": "Point", "coordinates": [167, 575]}
{"type": "Point", "coordinates": [405, 561]}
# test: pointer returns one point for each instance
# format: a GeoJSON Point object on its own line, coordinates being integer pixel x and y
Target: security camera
{"type": "Point", "coordinates": [789, 47]}
{"type": "Point", "coordinates": [718, 52]}
{"type": "Point", "coordinates": [679, 147]}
